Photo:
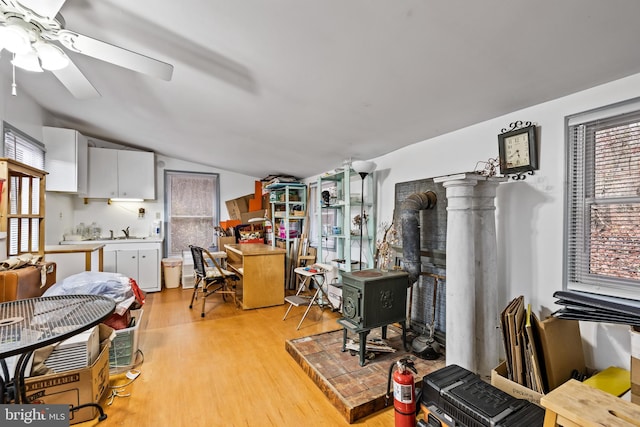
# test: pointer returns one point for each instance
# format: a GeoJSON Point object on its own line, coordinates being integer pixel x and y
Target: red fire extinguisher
{"type": "Point", "coordinates": [404, 392]}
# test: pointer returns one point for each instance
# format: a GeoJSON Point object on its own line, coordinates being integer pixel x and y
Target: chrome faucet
{"type": "Point", "coordinates": [126, 232]}
{"type": "Point", "coordinates": [111, 234]}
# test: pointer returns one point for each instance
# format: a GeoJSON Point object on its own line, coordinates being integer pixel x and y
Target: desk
{"type": "Point", "coordinates": [261, 268]}
{"type": "Point", "coordinates": [29, 324]}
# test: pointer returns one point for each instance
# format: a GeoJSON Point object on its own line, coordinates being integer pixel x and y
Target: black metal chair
{"type": "Point", "coordinates": [212, 279]}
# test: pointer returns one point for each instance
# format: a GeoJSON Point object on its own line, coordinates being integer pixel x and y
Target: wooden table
{"type": "Point", "coordinates": [261, 268]}
{"type": "Point", "coordinates": [69, 258]}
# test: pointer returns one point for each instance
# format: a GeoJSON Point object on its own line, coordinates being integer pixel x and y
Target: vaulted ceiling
{"type": "Point", "coordinates": [295, 87]}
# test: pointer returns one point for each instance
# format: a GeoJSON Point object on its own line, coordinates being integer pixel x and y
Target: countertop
{"type": "Point", "coordinates": [62, 249]}
{"type": "Point", "coordinates": [106, 241]}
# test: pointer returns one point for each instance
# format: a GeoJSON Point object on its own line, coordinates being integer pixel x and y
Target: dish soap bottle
{"type": "Point", "coordinates": [155, 231]}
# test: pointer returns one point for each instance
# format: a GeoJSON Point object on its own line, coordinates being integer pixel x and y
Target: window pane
{"type": "Point", "coordinates": [617, 162]}
{"type": "Point", "coordinates": [190, 231]}
{"type": "Point", "coordinates": [615, 241]}
{"type": "Point", "coordinates": [192, 195]}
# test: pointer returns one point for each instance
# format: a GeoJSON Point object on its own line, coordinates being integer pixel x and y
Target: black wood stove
{"type": "Point", "coordinates": [370, 299]}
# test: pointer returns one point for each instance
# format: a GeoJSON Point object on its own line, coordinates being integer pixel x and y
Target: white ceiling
{"type": "Point", "coordinates": [295, 87]}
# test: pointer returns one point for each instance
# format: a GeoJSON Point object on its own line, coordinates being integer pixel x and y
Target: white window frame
{"type": "Point", "coordinates": [580, 201]}
{"type": "Point", "coordinates": [21, 147]}
{"type": "Point", "coordinates": [196, 221]}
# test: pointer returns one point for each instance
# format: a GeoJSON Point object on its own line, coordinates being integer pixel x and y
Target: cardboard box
{"type": "Point", "coordinates": [562, 352]}
{"type": "Point", "coordinates": [635, 364]}
{"type": "Point", "coordinates": [225, 240]}
{"type": "Point", "coordinates": [499, 380]}
{"type": "Point", "coordinates": [238, 206]}
{"type": "Point", "coordinates": [75, 387]}
{"type": "Point", "coordinates": [226, 225]}
{"type": "Point", "coordinates": [255, 203]}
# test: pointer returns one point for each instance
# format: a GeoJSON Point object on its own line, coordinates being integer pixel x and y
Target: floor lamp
{"type": "Point", "coordinates": [363, 168]}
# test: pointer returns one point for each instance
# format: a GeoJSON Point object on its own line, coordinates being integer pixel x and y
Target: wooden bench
{"type": "Point", "coordinates": [575, 404]}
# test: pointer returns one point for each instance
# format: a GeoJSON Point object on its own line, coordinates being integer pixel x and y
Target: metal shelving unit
{"type": "Point", "coordinates": [337, 233]}
{"type": "Point", "coordinates": [288, 209]}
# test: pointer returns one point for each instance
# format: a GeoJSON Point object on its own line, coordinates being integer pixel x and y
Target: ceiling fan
{"type": "Point", "coordinates": [29, 30]}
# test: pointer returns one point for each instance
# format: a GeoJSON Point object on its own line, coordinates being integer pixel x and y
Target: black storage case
{"type": "Point", "coordinates": [472, 402]}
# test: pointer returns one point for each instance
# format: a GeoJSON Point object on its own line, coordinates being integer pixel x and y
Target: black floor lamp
{"type": "Point", "coordinates": [363, 168]}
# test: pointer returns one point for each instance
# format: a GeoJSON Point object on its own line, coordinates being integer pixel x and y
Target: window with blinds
{"type": "Point", "coordinates": [603, 215]}
{"type": "Point", "coordinates": [192, 201]}
{"type": "Point", "coordinates": [23, 148]}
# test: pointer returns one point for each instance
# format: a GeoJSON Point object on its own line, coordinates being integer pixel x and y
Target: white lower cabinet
{"type": "Point", "coordinates": [138, 259]}
{"type": "Point", "coordinates": [109, 260]}
{"type": "Point", "coordinates": [140, 265]}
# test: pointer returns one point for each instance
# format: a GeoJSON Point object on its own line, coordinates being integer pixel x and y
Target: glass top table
{"type": "Point", "coordinates": [29, 324]}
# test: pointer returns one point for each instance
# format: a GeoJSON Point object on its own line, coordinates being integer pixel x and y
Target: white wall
{"type": "Point", "coordinates": [530, 213]}
{"type": "Point", "coordinates": [21, 111]}
{"type": "Point", "coordinates": [64, 212]}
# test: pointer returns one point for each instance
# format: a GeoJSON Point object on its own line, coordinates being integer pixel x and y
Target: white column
{"type": "Point", "coordinates": [487, 312]}
{"type": "Point", "coordinates": [461, 271]}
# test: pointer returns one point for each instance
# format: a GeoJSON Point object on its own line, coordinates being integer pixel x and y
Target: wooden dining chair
{"type": "Point", "coordinates": [210, 277]}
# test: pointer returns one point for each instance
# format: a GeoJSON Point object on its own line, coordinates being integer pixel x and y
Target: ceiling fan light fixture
{"type": "Point", "coordinates": [15, 38]}
{"type": "Point", "coordinates": [51, 56]}
{"type": "Point", "coordinates": [27, 61]}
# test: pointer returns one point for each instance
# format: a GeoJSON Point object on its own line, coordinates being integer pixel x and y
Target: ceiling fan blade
{"type": "Point", "coordinates": [115, 55]}
{"type": "Point", "coordinates": [45, 8]}
{"type": "Point", "coordinates": [75, 82]}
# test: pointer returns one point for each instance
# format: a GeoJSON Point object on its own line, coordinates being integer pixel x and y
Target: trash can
{"type": "Point", "coordinates": [172, 268]}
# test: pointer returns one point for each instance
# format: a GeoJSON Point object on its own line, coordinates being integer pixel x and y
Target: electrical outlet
{"type": "Point", "coordinates": [157, 215]}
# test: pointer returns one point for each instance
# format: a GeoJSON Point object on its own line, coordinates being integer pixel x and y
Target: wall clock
{"type": "Point", "coordinates": [518, 149]}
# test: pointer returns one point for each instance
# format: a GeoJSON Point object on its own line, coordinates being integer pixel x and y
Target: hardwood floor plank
{"type": "Point", "coordinates": [230, 368]}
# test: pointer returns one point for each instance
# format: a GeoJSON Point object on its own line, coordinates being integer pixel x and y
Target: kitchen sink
{"type": "Point", "coordinates": [118, 238]}
{"type": "Point", "coordinates": [129, 238]}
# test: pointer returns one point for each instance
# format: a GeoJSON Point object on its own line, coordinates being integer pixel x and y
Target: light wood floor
{"type": "Point", "coordinates": [228, 369]}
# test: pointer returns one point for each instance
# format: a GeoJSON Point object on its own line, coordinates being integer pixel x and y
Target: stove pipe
{"type": "Point", "coordinates": [410, 222]}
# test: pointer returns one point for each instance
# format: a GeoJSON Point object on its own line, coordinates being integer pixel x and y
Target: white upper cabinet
{"type": "Point", "coordinates": [121, 174]}
{"type": "Point", "coordinates": [103, 173]}
{"type": "Point", "coordinates": [65, 160]}
{"type": "Point", "coordinates": [136, 174]}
